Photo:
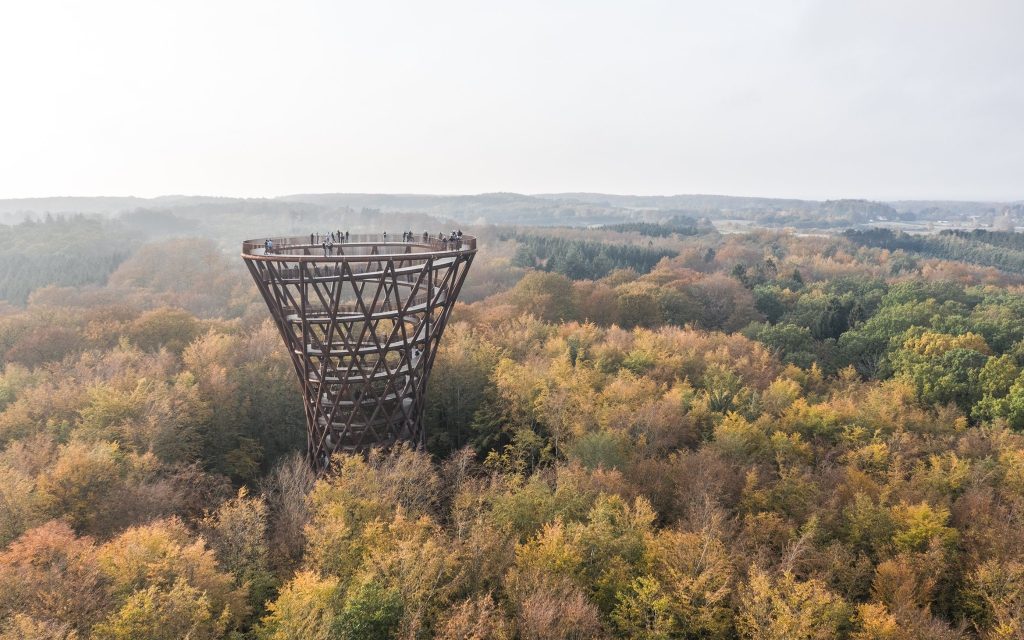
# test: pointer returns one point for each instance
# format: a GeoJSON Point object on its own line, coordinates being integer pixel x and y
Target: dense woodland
{"type": "Point", "coordinates": [1001, 249]}
{"type": "Point", "coordinates": [760, 436]}
{"type": "Point", "coordinates": [582, 259]}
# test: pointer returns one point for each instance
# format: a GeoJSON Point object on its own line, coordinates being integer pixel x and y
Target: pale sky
{"type": "Point", "coordinates": [815, 99]}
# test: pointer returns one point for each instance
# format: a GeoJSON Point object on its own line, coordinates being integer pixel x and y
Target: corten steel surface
{"type": "Point", "coordinates": [362, 327]}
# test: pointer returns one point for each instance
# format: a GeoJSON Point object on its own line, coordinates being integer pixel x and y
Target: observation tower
{"type": "Point", "coordinates": [362, 324]}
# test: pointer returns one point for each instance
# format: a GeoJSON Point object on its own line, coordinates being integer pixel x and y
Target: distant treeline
{"type": "Point", "coordinates": [680, 225]}
{"type": "Point", "coordinates": [1005, 239]}
{"type": "Point", "coordinates": [830, 214]}
{"type": "Point", "coordinates": [61, 251]}
{"type": "Point", "coordinates": [1000, 249]}
{"type": "Point", "coordinates": [584, 260]}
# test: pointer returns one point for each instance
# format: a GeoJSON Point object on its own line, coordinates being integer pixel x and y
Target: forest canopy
{"type": "Point", "coordinates": [631, 434]}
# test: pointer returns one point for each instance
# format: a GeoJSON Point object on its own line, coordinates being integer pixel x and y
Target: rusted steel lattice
{"type": "Point", "coordinates": [362, 325]}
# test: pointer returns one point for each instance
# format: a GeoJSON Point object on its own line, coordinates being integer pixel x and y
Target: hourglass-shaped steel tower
{"type": "Point", "coordinates": [361, 319]}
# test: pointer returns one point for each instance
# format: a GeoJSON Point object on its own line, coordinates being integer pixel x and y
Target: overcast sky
{"type": "Point", "coordinates": [815, 99]}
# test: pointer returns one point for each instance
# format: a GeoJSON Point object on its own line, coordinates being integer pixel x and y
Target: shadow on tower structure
{"type": "Point", "coordinates": [361, 320]}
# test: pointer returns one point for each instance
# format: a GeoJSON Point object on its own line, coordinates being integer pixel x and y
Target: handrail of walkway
{"type": "Point", "coordinates": [357, 248]}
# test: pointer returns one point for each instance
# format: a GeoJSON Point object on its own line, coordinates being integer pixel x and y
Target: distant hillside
{"type": "Point", "coordinates": [110, 205]}
{"type": "Point", "coordinates": [951, 207]}
{"type": "Point", "coordinates": [72, 205]}
{"type": "Point", "coordinates": [496, 208]}
{"type": "Point", "coordinates": [696, 202]}
{"type": "Point", "coordinates": [556, 209]}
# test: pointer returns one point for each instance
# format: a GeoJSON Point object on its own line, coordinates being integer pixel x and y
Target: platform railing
{"type": "Point", "coordinates": [285, 245]}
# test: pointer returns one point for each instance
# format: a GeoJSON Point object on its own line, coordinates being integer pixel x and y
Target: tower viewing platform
{"type": "Point", "coordinates": [361, 318]}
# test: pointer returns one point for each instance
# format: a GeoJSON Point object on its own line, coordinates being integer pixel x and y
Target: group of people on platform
{"type": "Point", "coordinates": [454, 240]}
{"type": "Point", "coordinates": [327, 240]}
